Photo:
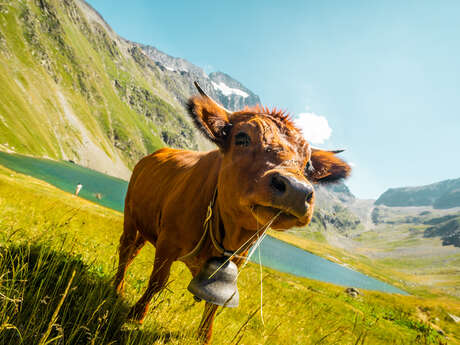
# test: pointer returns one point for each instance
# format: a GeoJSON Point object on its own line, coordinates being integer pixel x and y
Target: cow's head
{"type": "Point", "coordinates": [267, 167]}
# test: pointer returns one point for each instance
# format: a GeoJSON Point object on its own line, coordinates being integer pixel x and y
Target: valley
{"type": "Point", "coordinates": [420, 242]}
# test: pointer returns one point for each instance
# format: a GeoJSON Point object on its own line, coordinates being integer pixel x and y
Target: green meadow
{"type": "Point", "coordinates": [58, 254]}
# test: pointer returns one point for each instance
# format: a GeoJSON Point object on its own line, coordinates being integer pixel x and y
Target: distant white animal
{"type": "Point", "coordinates": [78, 189]}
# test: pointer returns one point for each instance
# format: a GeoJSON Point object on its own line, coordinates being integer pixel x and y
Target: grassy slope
{"type": "Point", "coordinates": [401, 240]}
{"type": "Point", "coordinates": [50, 51]}
{"type": "Point", "coordinates": [424, 261]}
{"type": "Point", "coordinates": [85, 236]}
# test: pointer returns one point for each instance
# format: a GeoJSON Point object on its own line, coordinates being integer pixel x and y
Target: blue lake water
{"type": "Point", "coordinates": [66, 176]}
{"type": "Point", "coordinates": [284, 257]}
{"type": "Point", "coordinates": [274, 253]}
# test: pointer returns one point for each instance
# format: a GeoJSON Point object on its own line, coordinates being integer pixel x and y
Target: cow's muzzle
{"type": "Point", "coordinates": [291, 195]}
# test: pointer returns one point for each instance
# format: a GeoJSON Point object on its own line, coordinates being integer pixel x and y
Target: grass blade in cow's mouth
{"type": "Point", "coordinates": [263, 213]}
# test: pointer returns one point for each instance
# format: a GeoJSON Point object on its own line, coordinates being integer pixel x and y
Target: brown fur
{"type": "Point", "coordinates": [170, 190]}
{"type": "Point", "coordinates": [327, 167]}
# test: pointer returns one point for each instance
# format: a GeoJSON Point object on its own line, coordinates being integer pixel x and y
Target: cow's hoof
{"type": "Point", "coordinates": [137, 315]}
{"type": "Point", "coordinates": [119, 287]}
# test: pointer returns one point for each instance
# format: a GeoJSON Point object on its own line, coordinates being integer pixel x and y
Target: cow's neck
{"type": "Point", "coordinates": [229, 233]}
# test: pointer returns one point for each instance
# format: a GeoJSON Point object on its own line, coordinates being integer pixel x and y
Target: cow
{"type": "Point", "coordinates": [262, 172]}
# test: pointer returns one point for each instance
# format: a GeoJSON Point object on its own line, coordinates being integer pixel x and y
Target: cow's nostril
{"type": "Point", "coordinates": [309, 197]}
{"type": "Point", "coordinates": [278, 184]}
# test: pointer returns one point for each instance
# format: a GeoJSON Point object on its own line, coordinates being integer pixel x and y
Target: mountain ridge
{"type": "Point", "coordinates": [186, 73]}
{"type": "Point", "coordinates": [441, 195]}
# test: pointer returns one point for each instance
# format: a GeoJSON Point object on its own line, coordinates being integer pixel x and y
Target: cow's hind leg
{"type": "Point", "coordinates": [131, 242]}
{"type": "Point", "coordinates": [157, 281]}
{"type": "Point", "coordinates": [205, 328]}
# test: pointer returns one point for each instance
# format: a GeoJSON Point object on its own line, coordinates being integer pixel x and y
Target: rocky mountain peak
{"type": "Point", "coordinates": [232, 93]}
{"type": "Point", "coordinates": [219, 86]}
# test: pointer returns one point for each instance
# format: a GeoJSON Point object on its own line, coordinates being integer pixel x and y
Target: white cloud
{"type": "Point", "coordinates": [315, 128]}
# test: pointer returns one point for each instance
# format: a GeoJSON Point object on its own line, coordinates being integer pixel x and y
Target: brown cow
{"type": "Point", "coordinates": [263, 167]}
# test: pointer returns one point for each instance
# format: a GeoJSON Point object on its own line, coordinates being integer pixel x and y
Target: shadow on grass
{"type": "Point", "coordinates": [33, 279]}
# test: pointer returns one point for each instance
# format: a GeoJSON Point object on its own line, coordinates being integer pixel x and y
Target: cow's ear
{"type": "Point", "coordinates": [326, 167]}
{"type": "Point", "coordinates": [210, 118]}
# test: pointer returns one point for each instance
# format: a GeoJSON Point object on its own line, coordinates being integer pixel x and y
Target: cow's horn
{"type": "Point", "coordinates": [200, 90]}
{"type": "Point", "coordinates": [331, 151]}
{"type": "Point", "coordinates": [202, 93]}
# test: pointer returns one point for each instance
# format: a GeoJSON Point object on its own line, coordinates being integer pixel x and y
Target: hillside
{"type": "Point", "coordinates": [72, 89]}
{"type": "Point", "coordinates": [431, 209]}
{"type": "Point", "coordinates": [335, 216]}
{"type": "Point", "coordinates": [448, 229]}
{"type": "Point", "coordinates": [440, 195]}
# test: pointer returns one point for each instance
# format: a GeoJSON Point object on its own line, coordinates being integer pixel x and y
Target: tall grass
{"type": "Point", "coordinates": [36, 280]}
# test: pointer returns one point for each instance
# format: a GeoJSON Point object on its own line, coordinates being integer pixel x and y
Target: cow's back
{"type": "Point", "coordinates": [166, 188]}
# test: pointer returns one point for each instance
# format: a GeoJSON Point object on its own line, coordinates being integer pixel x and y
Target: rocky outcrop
{"type": "Point", "coordinates": [448, 231]}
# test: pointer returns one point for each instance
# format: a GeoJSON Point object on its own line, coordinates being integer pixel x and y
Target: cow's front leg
{"type": "Point", "coordinates": [158, 280]}
{"type": "Point", "coordinates": [205, 329]}
{"type": "Point", "coordinates": [128, 251]}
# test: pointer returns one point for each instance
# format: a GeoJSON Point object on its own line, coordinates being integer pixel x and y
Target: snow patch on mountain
{"type": "Point", "coordinates": [227, 91]}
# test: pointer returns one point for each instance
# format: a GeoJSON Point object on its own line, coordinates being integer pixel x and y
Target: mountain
{"type": "Point", "coordinates": [231, 93]}
{"type": "Point", "coordinates": [440, 195]}
{"type": "Point", "coordinates": [328, 195]}
{"type": "Point", "coordinates": [72, 89]}
{"type": "Point", "coordinates": [220, 86]}
{"type": "Point", "coordinates": [448, 200]}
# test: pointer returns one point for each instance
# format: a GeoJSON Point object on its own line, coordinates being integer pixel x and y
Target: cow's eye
{"type": "Point", "coordinates": [242, 139]}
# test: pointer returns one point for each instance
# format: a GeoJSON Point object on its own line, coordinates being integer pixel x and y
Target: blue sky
{"type": "Point", "coordinates": [385, 74]}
